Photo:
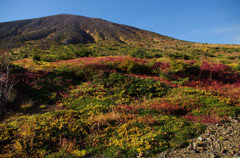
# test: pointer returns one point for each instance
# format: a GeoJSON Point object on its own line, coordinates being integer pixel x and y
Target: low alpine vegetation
{"type": "Point", "coordinates": [115, 106]}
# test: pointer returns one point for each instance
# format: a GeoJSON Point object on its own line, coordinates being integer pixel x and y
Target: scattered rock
{"type": "Point", "coordinates": [224, 151]}
{"type": "Point", "coordinates": [200, 149]}
{"type": "Point", "coordinates": [190, 147]}
{"type": "Point", "coordinates": [220, 140]}
{"type": "Point", "coordinates": [200, 138]}
{"type": "Point", "coordinates": [214, 155]}
{"type": "Point", "coordinates": [195, 145]}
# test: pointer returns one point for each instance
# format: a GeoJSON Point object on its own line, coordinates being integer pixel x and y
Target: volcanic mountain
{"type": "Point", "coordinates": [73, 29]}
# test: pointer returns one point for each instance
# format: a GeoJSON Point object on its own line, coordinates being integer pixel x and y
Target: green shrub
{"type": "Point", "coordinates": [80, 104]}
{"type": "Point", "coordinates": [157, 55]}
{"type": "Point", "coordinates": [178, 55]}
{"type": "Point", "coordinates": [237, 68]}
{"type": "Point", "coordinates": [133, 67]}
{"type": "Point", "coordinates": [178, 67]}
{"type": "Point", "coordinates": [135, 87]}
{"type": "Point", "coordinates": [60, 154]}
{"type": "Point", "coordinates": [138, 53]}
{"type": "Point", "coordinates": [84, 52]}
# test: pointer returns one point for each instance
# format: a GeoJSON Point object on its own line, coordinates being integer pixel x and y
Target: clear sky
{"type": "Point", "coordinates": [206, 21]}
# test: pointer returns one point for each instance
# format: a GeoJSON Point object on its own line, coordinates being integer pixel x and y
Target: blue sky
{"type": "Point", "coordinates": [205, 21]}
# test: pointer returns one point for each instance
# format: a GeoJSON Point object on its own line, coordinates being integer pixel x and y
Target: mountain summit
{"type": "Point", "coordinates": [72, 29]}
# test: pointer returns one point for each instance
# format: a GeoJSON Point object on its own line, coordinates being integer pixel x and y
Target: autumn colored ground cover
{"type": "Point", "coordinates": [119, 106]}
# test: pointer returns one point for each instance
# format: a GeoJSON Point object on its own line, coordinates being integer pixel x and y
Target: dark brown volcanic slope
{"type": "Point", "coordinates": [72, 29]}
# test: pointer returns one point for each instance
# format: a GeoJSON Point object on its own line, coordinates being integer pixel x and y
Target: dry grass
{"type": "Point", "coordinates": [104, 119]}
{"type": "Point", "coordinates": [27, 105]}
{"type": "Point", "coordinates": [67, 144]}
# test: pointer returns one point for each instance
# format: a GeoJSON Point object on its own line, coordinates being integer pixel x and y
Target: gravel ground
{"type": "Point", "coordinates": [218, 141]}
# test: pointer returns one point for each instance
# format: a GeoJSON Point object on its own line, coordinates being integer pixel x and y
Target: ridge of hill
{"type": "Point", "coordinates": [73, 29]}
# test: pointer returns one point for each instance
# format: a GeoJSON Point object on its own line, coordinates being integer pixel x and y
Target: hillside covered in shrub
{"type": "Point", "coordinates": [115, 106]}
{"type": "Point", "coordinates": [110, 98]}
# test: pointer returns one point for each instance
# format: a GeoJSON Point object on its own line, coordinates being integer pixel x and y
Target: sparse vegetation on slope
{"type": "Point", "coordinates": [72, 29]}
